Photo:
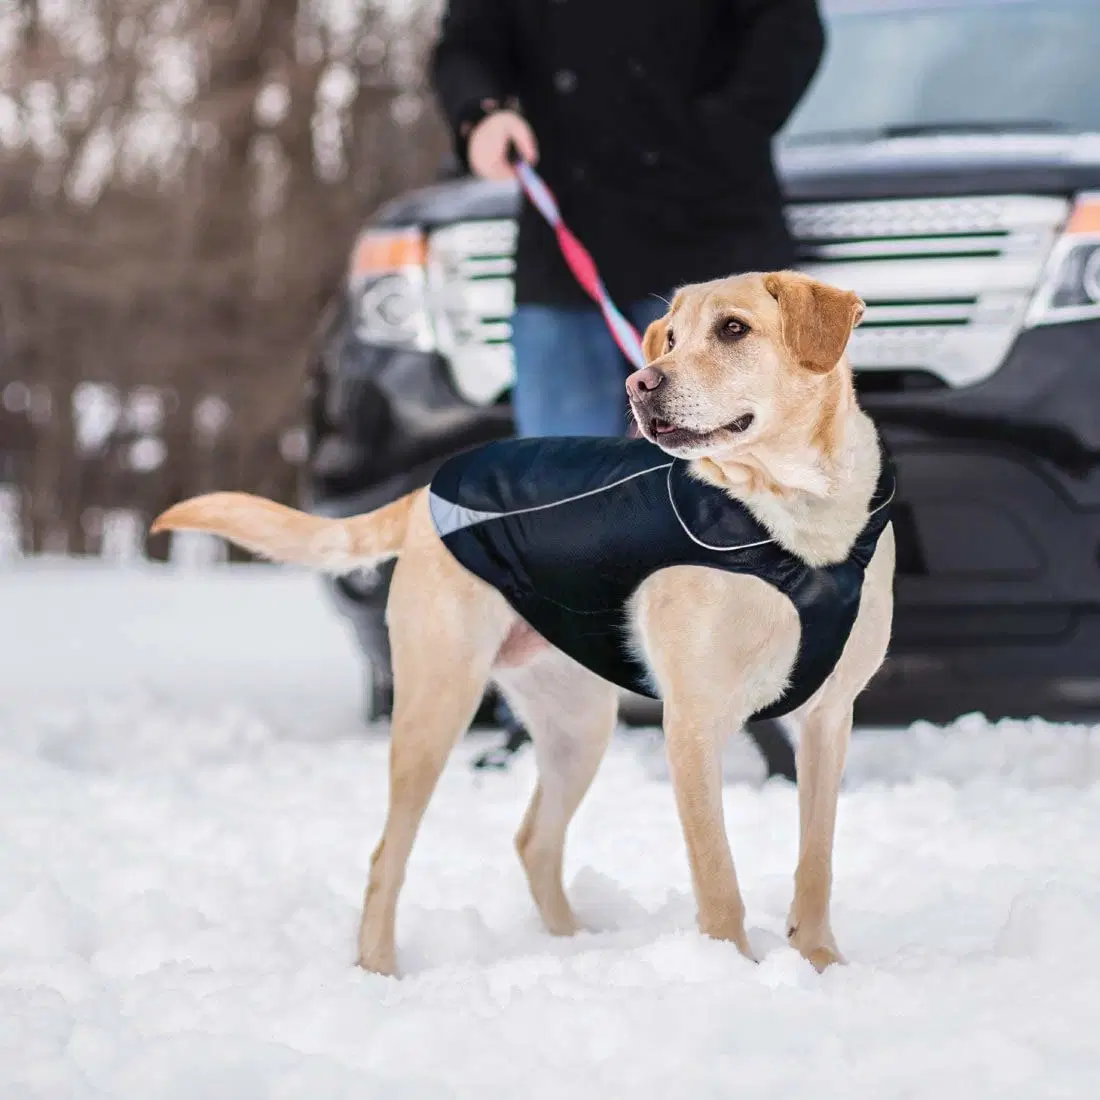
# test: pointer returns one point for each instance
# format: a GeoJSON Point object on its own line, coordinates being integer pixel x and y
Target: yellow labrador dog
{"type": "Point", "coordinates": [749, 387]}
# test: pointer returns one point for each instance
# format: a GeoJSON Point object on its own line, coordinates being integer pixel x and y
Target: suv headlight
{"type": "Point", "coordinates": [1070, 287]}
{"type": "Point", "coordinates": [386, 286]}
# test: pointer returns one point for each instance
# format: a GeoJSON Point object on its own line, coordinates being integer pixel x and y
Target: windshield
{"type": "Point", "coordinates": [903, 66]}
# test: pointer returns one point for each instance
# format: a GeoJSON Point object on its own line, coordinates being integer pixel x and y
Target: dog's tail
{"type": "Point", "coordinates": [286, 535]}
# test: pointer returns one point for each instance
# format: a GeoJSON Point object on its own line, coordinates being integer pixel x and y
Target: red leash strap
{"type": "Point", "coordinates": [579, 260]}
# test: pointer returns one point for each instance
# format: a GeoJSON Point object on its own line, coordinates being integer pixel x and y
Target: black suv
{"type": "Point", "coordinates": [946, 166]}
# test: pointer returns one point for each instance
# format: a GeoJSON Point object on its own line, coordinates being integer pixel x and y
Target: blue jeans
{"type": "Point", "coordinates": [570, 378]}
{"type": "Point", "coordinates": [570, 373]}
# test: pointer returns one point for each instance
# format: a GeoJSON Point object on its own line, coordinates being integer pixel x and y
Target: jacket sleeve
{"type": "Point", "coordinates": [473, 61]}
{"type": "Point", "coordinates": [775, 48]}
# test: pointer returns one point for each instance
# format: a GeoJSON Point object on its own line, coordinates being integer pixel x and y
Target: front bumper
{"type": "Point", "coordinates": [998, 526]}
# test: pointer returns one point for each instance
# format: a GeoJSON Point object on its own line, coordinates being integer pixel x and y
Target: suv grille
{"type": "Point", "coordinates": [470, 299]}
{"type": "Point", "coordinates": [947, 283]}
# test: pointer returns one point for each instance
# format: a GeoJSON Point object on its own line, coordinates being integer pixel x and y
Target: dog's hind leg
{"type": "Point", "coordinates": [446, 629]}
{"type": "Point", "coordinates": [570, 714]}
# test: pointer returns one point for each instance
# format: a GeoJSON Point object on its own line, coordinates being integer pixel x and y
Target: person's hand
{"type": "Point", "coordinates": [489, 141]}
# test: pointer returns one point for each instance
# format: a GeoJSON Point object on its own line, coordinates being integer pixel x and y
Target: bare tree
{"type": "Point", "coordinates": [180, 184]}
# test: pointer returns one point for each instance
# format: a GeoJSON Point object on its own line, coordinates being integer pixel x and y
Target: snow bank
{"type": "Point", "coordinates": [186, 814]}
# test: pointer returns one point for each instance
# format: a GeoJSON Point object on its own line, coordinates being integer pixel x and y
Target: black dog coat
{"type": "Point", "coordinates": [567, 529]}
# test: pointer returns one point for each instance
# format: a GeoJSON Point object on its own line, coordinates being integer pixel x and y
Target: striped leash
{"type": "Point", "coordinates": [579, 260]}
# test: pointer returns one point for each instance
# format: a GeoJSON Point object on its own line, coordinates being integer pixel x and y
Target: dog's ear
{"type": "Point", "coordinates": [817, 319]}
{"type": "Point", "coordinates": [655, 339]}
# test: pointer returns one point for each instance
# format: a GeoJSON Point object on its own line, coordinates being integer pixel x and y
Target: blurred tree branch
{"type": "Point", "coordinates": [180, 184]}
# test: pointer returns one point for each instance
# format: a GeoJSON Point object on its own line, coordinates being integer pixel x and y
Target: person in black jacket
{"type": "Point", "coordinates": [652, 121]}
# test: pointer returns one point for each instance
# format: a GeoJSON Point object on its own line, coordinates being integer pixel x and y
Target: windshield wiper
{"type": "Point", "coordinates": [922, 129]}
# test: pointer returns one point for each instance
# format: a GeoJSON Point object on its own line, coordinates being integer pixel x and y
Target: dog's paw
{"type": "Point", "coordinates": [378, 962]}
{"type": "Point", "coordinates": [819, 950]}
{"type": "Point", "coordinates": [730, 932]}
{"type": "Point", "coordinates": [824, 956]}
{"type": "Point", "coordinates": [563, 923]}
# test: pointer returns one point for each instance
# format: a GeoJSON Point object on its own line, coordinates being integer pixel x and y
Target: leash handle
{"type": "Point", "coordinates": [577, 258]}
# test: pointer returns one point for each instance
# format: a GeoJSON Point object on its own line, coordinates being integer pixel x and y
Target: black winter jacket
{"type": "Point", "coordinates": [655, 121]}
{"type": "Point", "coordinates": [568, 529]}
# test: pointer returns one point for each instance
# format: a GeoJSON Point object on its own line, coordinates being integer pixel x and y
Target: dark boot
{"type": "Point", "coordinates": [775, 747]}
{"type": "Point", "coordinates": [515, 737]}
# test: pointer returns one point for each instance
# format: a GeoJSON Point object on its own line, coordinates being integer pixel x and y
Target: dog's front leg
{"type": "Point", "coordinates": [821, 755]}
{"type": "Point", "coordinates": [694, 742]}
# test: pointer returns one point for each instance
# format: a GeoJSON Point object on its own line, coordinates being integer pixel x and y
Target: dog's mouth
{"type": "Point", "coordinates": [741, 424]}
{"type": "Point", "coordinates": [666, 434]}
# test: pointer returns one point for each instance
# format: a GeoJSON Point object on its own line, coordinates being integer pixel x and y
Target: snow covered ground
{"type": "Point", "coordinates": [186, 812]}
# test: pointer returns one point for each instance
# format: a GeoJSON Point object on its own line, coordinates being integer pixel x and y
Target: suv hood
{"type": "Point", "coordinates": [910, 167]}
{"type": "Point", "coordinates": [462, 199]}
{"type": "Point", "coordinates": [941, 165]}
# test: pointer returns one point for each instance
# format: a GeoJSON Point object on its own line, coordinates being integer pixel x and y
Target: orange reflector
{"type": "Point", "coordinates": [1085, 217]}
{"type": "Point", "coordinates": [387, 250]}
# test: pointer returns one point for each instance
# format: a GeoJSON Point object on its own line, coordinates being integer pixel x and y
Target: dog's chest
{"type": "Point", "coordinates": [715, 630]}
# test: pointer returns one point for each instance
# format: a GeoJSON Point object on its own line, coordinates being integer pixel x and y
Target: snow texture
{"type": "Point", "coordinates": [187, 809]}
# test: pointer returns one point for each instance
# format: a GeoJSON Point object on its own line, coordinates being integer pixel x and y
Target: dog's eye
{"type": "Point", "coordinates": [732, 329]}
{"type": "Point", "coordinates": [671, 340]}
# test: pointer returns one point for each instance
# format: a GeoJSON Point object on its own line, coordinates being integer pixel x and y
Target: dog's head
{"type": "Point", "coordinates": [741, 360]}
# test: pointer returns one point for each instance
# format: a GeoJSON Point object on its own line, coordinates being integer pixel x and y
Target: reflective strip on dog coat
{"type": "Point", "coordinates": [567, 529]}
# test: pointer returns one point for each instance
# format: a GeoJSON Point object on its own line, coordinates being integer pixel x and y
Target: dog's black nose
{"type": "Point", "coordinates": [644, 381]}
